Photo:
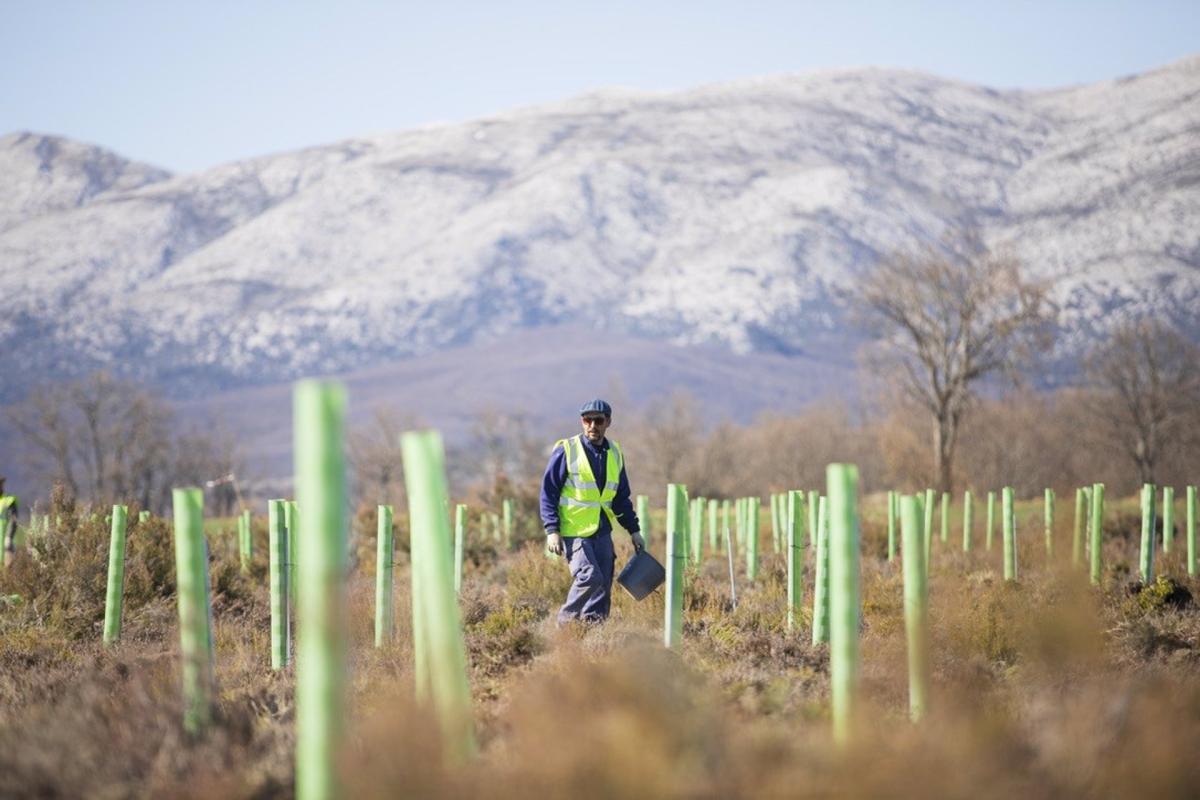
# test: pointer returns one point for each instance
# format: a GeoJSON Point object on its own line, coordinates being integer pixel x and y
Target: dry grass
{"type": "Point", "coordinates": [1040, 689]}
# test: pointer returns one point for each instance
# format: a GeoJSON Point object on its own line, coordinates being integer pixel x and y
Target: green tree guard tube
{"type": "Point", "coordinates": [945, 517]}
{"type": "Point", "coordinates": [292, 519]}
{"type": "Point", "coordinates": [688, 555]}
{"type": "Point", "coordinates": [425, 480]}
{"type": "Point", "coordinates": [928, 508]}
{"type": "Point", "coordinates": [191, 593]}
{"type": "Point", "coordinates": [686, 533]}
{"type": "Point", "coordinates": [784, 522]}
{"type": "Point", "coordinates": [281, 645]}
{"type": "Point", "coordinates": [116, 576]}
{"type": "Point", "coordinates": [738, 522]}
{"type": "Point", "coordinates": [745, 520]}
{"type": "Point", "coordinates": [385, 604]}
{"type": "Point", "coordinates": [725, 504]}
{"type": "Point", "coordinates": [696, 529]}
{"type": "Point", "coordinates": [729, 566]}
{"type": "Point", "coordinates": [676, 523]}
{"type": "Point", "coordinates": [891, 525]}
{"type": "Point", "coordinates": [420, 635]}
{"type": "Point", "coordinates": [820, 631]}
{"type": "Point", "coordinates": [245, 545]}
{"type": "Point", "coordinates": [460, 535]}
{"type": "Point", "coordinates": [782, 511]}
{"type": "Point", "coordinates": [241, 540]}
{"type": "Point", "coordinates": [1087, 524]}
{"type": "Point", "coordinates": [1077, 540]}
{"type": "Point", "coordinates": [916, 603]}
{"type": "Point", "coordinates": [744, 527]}
{"type": "Point", "coordinates": [714, 537]}
{"type": "Point", "coordinates": [508, 524]}
{"type": "Point", "coordinates": [1191, 531]}
{"type": "Point", "coordinates": [776, 524]}
{"type": "Point", "coordinates": [1168, 518]}
{"type": "Point", "coordinates": [813, 503]}
{"type": "Point", "coordinates": [773, 501]}
{"type": "Point", "coordinates": [142, 517]}
{"type": "Point", "coordinates": [1097, 519]}
{"type": "Point", "coordinates": [1048, 506]}
{"type": "Point", "coordinates": [1010, 534]}
{"type": "Point", "coordinates": [1146, 562]}
{"type": "Point", "coordinates": [319, 413]}
{"type": "Point", "coordinates": [845, 608]}
{"type": "Point", "coordinates": [794, 527]}
{"type": "Point", "coordinates": [991, 519]}
{"type": "Point", "coordinates": [752, 541]}
{"type": "Point", "coordinates": [249, 534]}
{"type": "Point", "coordinates": [733, 521]}
{"type": "Point", "coordinates": [643, 515]}
{"type": "Point", "coordinates": [968, 519]}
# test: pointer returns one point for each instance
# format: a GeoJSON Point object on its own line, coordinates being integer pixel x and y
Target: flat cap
{"type": "Point", "coordinates": [595, 407]}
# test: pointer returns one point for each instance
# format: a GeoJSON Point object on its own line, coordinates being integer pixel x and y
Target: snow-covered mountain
{"type": "Point", "coordinates": [728, 214]}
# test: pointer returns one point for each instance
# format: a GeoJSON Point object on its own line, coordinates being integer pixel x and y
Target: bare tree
{"type": "Point", "coordinates": [947, 316]}
{"type": "Point", "coordinates": [1147, 378]}
{"type": "Point", "coordinates": [374, 456]}
{"type": "Point", "coordinates": [43, 420]}
{"type": "Point", "coordinates": [108, 440]}
{"type": "Point", "coordinates": [504, 459]}
{"type": "Point", "coordinates": [1025, 440]}
{"type": "Point", "coordinates": [197, 456]}
{"type": "Point", "coordinates": [666, 440]}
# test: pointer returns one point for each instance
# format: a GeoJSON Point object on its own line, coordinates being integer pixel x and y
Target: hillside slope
{"type": "Point", "coordinates": [729, 214]}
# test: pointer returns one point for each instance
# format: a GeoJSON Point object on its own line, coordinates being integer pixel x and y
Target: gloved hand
{"type": "Point", "coordinates": [639, 543]}
{"type": "Point", "coordinates": [554, 544]}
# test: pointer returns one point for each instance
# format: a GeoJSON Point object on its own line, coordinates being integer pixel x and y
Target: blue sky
{"type": "Point", "coordinates": [187, 85]}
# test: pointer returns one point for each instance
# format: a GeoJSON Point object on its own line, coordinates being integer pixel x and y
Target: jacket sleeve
{"type": "Point", "coordinates": [623, 505]}
{"type": "Point", "coordinates": [552, 485]}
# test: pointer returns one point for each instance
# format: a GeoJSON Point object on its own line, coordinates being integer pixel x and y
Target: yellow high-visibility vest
{"type": "Point", "coordinates": [583, 499]}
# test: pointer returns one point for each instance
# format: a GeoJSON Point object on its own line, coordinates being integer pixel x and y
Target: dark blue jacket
{"type": "Point", "coordinates": [556, 477]}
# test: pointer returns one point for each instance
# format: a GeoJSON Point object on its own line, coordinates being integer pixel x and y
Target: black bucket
{"type": "Point", "coordinates": [642, 575]}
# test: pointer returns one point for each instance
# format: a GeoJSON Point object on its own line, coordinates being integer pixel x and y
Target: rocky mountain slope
{"type": "Point", "coordinates": [729, 214]}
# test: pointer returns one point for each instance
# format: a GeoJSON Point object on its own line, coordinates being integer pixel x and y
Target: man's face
{"type": "Point", "coordinates": [594, 426]}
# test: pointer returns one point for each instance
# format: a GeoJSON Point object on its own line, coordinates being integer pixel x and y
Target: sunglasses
{"type": "Point", "coordinates": [594, 420]}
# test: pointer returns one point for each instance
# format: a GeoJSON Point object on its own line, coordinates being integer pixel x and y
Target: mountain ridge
{"type": "Point", "coordinates": [734, 213]}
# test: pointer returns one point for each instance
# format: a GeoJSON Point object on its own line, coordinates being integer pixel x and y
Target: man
{"type": "Point", "coordinates": [8, 523]}
{"type": "Point", "coordinates": [584, 491]}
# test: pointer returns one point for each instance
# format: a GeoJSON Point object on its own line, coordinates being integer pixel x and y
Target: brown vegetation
{"type": "Point", "coordinates": [1028, 440]}
{"type": "Point", "coordinates": [1041, 689]}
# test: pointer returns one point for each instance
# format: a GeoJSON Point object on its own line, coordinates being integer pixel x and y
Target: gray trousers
{"type": "Point", "coordinates": [591, 560]}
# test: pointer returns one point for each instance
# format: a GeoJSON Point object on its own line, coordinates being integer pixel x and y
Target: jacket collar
{"type": "Point", "coordinates": [600, 448]}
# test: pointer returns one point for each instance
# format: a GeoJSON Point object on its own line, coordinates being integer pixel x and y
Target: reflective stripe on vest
{"type": "Point", "coordinates": [582, 500]}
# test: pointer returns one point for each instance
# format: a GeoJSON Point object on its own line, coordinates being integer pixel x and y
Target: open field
{"type": "Point", "coordinates": [1043, 688]}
